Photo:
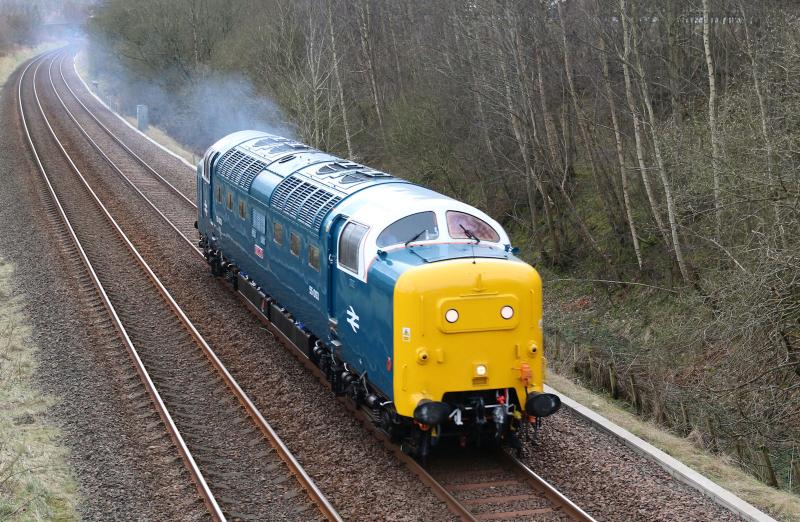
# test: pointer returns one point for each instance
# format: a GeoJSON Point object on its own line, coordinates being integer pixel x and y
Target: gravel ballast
{"type": "Point", "coordinates": [121, 467]}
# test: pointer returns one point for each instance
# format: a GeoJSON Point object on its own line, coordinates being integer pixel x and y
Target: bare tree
{"type": "Point", "coordinates": [337, 76]}
{"type": "Point", "coordinates": [716, 148]}
{"type": "Point", "coordinates": [620, 148]}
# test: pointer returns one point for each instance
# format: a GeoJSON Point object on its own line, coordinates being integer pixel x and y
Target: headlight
{"type": "Point", "coordinates": [507, 312]}
{"type": "Point", "coordinates": [451, 315]}
{"type": "Point", "coordinates": [480, 370]}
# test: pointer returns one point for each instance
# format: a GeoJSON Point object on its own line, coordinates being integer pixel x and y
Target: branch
{"type": "Point", "coordinates": [614, 282]}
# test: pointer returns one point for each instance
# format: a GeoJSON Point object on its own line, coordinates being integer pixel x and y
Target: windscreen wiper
{"type": "Point", "coordinates": [469, 234]}
{"type": "Point", "coordinates": [417, 236]}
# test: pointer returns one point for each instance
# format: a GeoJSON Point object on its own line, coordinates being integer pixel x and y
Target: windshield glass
{"type": "Point", "coordinates": [466, 226]}
{"type": "Point", "coordinates": [416, 227]}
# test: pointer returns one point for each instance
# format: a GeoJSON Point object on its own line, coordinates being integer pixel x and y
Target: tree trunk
{"type": "Point", "coordinates": [488, 182]}
{"type": "Point", "coordinates": [626, 199]}
{"type": "Point", "coordinates": [637, 131]}
{"type": "Point", "coordinates": [521, 138]}
{"type": "Point", "coordinates": [762, 108]}
{"type": "Point", "coordinates": [366, 51]}
{"type": "Point", "coordinates": [673, 57]}
{"type": "Point", "coordinates": [662, 171]}
{"type": "Point", "coordinates": [339, 81]}
{"type": "Point", "coordinates": [527, 100]}
{"type": "Point", "coordinates": [605, 191]}
{"type": "Point", "coordinates": [716, 148]}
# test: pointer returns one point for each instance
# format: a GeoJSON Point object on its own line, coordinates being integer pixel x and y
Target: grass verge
{"type": "Point", "coordinates": [9, 62]}
{"type": "Point", "coordinates": [156, 134]}
{"type": "Point", "coordinates": [719, 468]}
{"type": "Point", "coordinates": [35, 481]}
{"type": "Point", "coordinates": [164, 139]}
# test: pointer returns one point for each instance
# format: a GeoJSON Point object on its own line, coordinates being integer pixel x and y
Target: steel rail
{"type": "Point", "coordinates": [548, 491]}
{"type": "Point", "coordinates": [111, 162]}
{"type": "Point", "coordinates": [189, 462]}
{"type": "Point", "coordinates": [113, 136]}
{"type": "Point", "coordinates": [562, 503]}
{"type": "Point", "coordinates": [551, 493]}
{"type": "Point", "coordinates": [304, 480]}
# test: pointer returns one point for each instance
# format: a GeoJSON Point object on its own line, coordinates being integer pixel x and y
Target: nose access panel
{"type": "Point", "coordinates": [462, 327]}
{"type": "Point", "coordinates": [477, 313]}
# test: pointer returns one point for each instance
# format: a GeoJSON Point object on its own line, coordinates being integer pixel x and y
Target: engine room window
{"type": "Point", "coordinates": [219, 194]}
{"type": "Point", "coordinates": [294, 244]}
{"type": "Point", "coordinates": [467, 226]}
{"type": "Point", "coordinates": [349, 245]}
{"type": "Point", "coordinates": [259, 221]}
{"type": "Point", "coordinates": [416, 227]}
{"type": "Point", "coordinates": [277, 233]}
{"type": "Point", "coordinates": [242, 209]}
{"type": "Point", "coordinates": [230, 201]}
{"type": "Point", "coordinates": [313, 257]}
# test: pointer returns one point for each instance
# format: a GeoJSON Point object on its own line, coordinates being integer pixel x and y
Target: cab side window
{"type": "Point", "coordinates": [277, 232]}
{"type": "Point", "coordinates": [350, 245]}
{"type": "Point", "coordinates": [219, 194]}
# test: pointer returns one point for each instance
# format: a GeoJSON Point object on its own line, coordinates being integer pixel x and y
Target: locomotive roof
{"type": "Point", "coordinates": [246, 154]}
{"type": "Point", "coordinates": [306, 184]}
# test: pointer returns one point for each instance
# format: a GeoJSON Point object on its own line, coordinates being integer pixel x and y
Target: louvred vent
{"type": "Point", "coordinates": [303, 201]}
{"type": "Point", "coordinates": [239, 168]}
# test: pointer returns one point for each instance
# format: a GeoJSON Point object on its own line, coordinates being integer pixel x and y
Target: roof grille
{"type": "Point", "coordinates": [283, 190]}
{"type": "Point", "coordinates": [297, 198]}
{"type": "Point", "coordinates": [304, 201]}
{"type": "Point", "coordinates": [239, 168]}
{"type": "Point", "coordinates": [324, 209]}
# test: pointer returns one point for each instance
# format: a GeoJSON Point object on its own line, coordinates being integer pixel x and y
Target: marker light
{"type": "Point", "coordinates": [451, 315]}
{"type": "Point", "coordinates": [507, 312]}
{"type": "Point", "coordinates": [480, 370]}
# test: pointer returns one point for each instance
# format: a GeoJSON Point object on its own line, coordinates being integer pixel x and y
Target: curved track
{"type": "Point", "coordinates": [218, 432]}
{"type": "Point", "coordinates": [487, 487]}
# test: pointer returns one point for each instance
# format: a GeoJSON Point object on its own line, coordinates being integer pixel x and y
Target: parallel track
{"type": "Point", "coordinates": [467, 495]}
{"type": "Point", "coordinates": [163, 355]}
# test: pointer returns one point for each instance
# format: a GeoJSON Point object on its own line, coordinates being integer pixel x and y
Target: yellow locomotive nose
{"type": "Point", "coordinates": [466, 325]}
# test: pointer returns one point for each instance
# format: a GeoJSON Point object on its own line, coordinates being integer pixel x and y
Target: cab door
{"type": "Point", "coordinates": [331, 277]}
{"type": "Point", "coordinates": [348, 301]}
{"type": "Point", "coordinates": [207, 192]}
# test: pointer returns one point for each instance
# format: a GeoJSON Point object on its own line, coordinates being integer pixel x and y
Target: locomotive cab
{"type": "Point", "coordinates": [465, 357]}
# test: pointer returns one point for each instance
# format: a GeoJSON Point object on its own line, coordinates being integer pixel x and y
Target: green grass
{"type": "Point", "coordinates": [9, 62]}
{"type": "Point", "coordinates": [35, 481]}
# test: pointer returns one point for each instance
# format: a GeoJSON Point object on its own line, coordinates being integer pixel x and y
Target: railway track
{"type": "Point", "coordinates": [487, 486]}
{"type": "Point", "coordinates": [497, 486]}
{"type": "Point", "coordinates": [238, 464]}
{"type": "Point", "coordinates": [500, 488]}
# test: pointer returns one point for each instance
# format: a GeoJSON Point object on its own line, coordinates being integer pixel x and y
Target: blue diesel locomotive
{"type": "Point", "coordinates": [410, 302]}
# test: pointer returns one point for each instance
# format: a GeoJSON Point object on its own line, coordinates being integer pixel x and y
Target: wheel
{"type": "Point", "coordinates": [216, 267]}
